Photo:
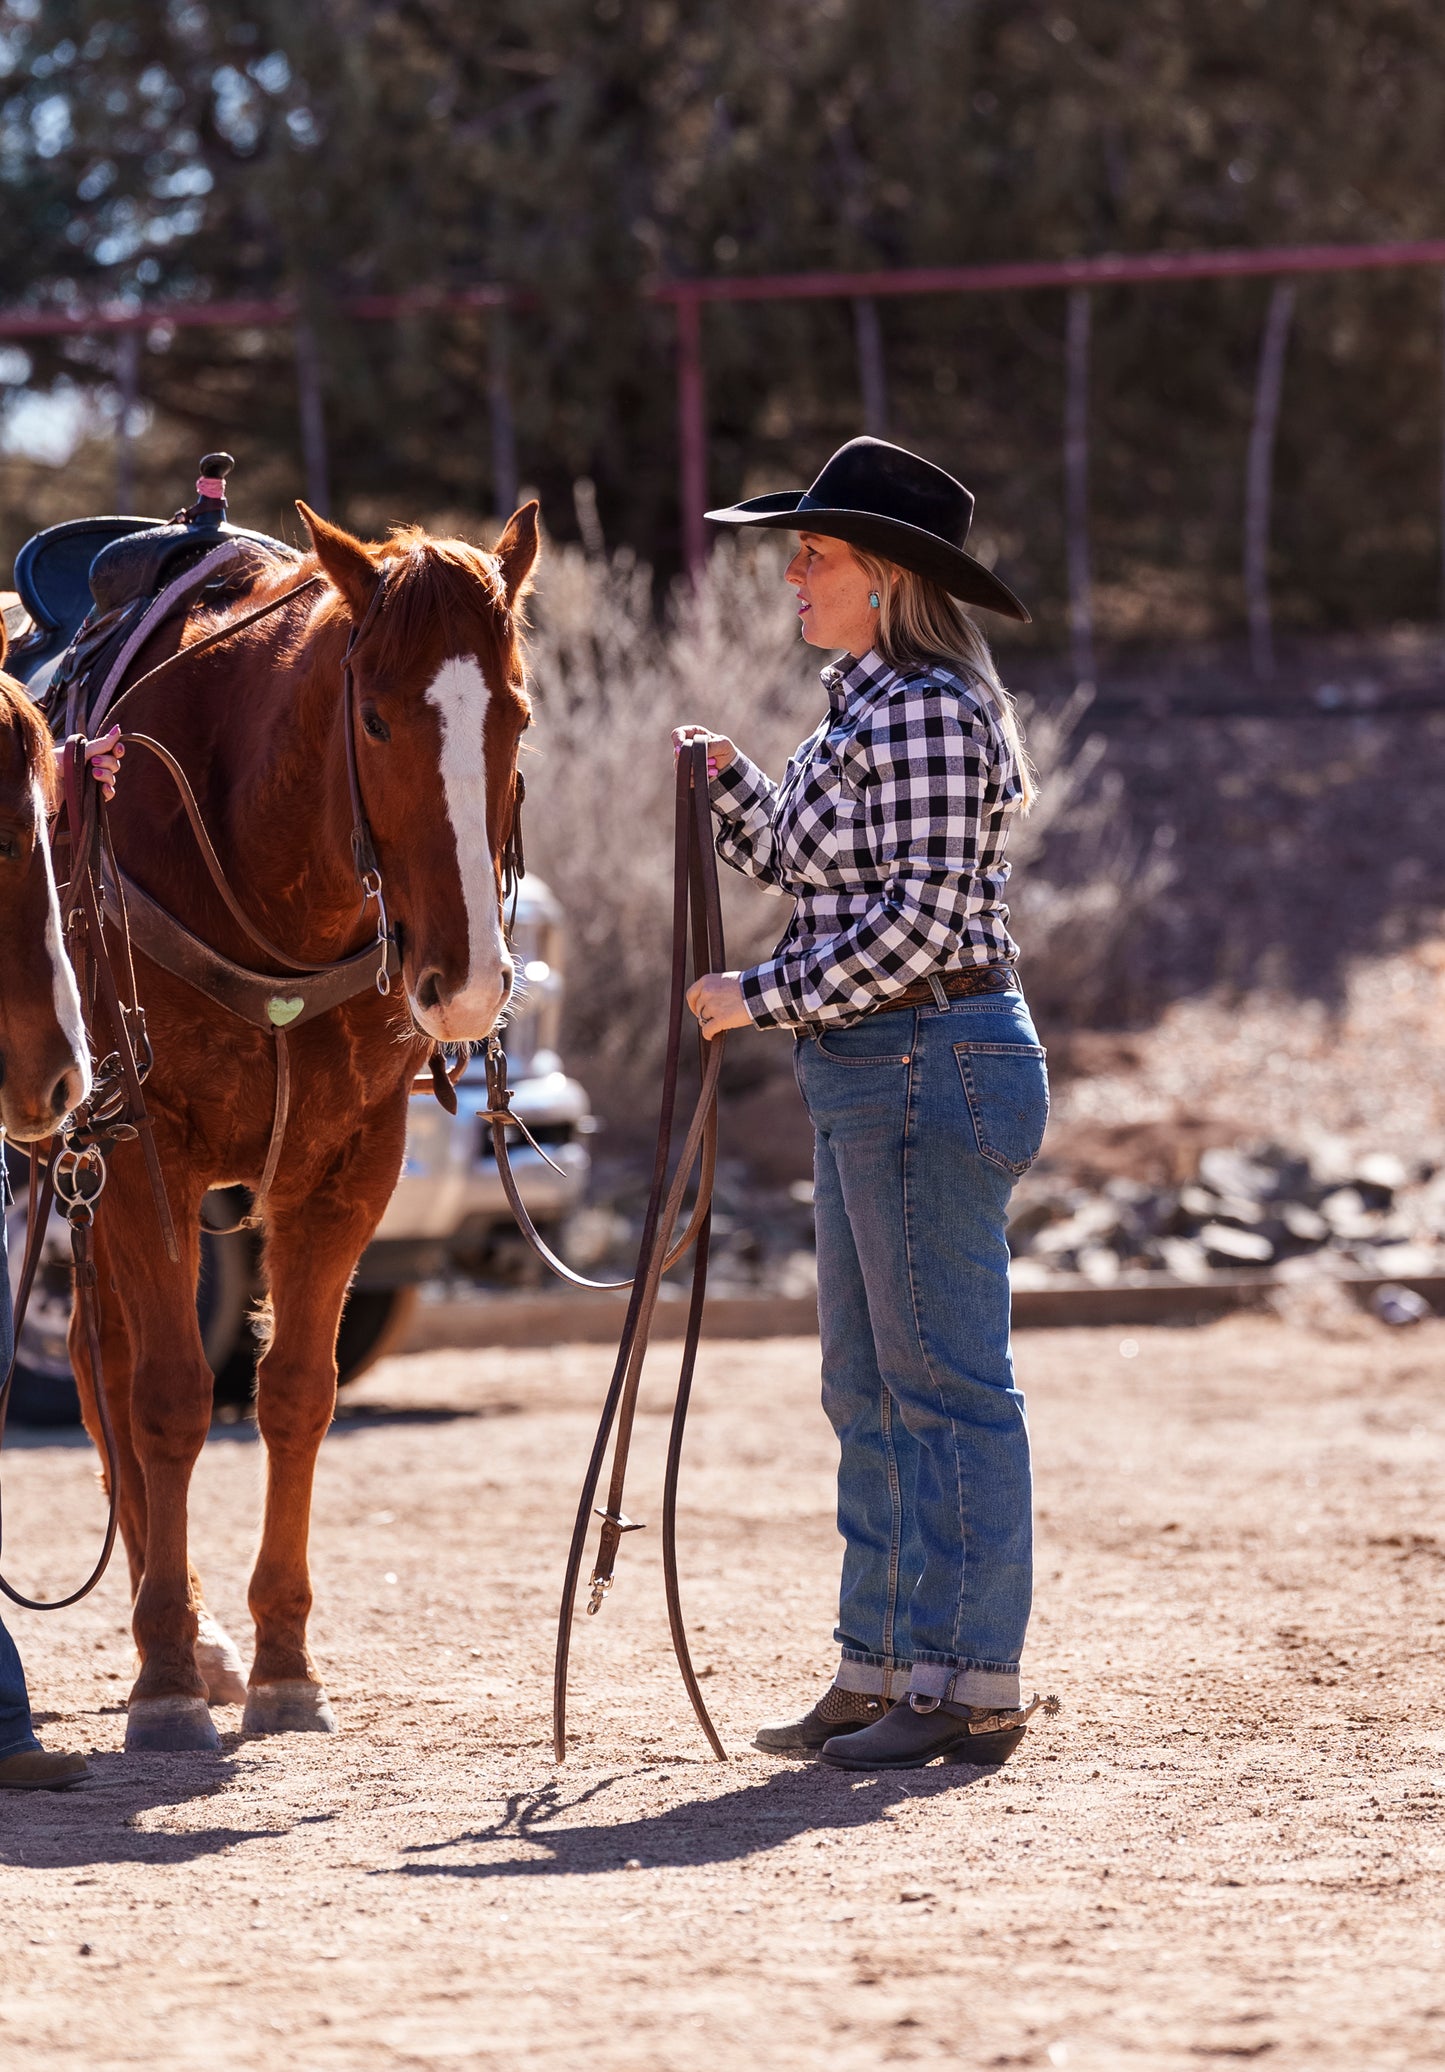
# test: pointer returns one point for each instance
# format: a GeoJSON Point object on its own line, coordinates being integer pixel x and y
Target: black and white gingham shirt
{"type": "Point", "coordinates": [888, 828]}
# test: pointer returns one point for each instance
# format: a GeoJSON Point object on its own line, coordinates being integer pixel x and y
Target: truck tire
{"type": "Point", "coordinates": [44, 1392]}
{"type": "Point", "coordinates": [372, 1323]}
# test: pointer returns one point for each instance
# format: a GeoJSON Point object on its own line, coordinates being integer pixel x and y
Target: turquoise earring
{"type": "Point", "coordinates": [873, 599]}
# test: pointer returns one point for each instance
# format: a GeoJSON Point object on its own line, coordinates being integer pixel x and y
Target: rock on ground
{"type": "Point", "coordinates": [1228, 1847]}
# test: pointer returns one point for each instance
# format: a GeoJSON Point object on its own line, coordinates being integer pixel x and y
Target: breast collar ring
{"type": "Point", "coordinates": [80, 1176]}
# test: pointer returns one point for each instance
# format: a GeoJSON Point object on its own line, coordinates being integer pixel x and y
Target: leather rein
{"type": "Point", "coordinates": [697, 936]}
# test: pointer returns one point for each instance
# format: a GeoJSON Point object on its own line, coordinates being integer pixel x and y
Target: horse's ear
{"type": "Point", "coordinates": [344, 559]}
{"type": "Point", "coordinates": [517, 550]}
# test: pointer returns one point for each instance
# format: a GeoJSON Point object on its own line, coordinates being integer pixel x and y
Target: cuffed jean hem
{"type": "Point", "coordinates": [967, 1684]}
{"type": "Point", "coordinates": [874, 1677]}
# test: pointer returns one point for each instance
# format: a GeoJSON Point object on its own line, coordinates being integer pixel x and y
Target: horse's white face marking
{"type": "Point", "coordinates": [460, 695]}
{"type": "Point", "coordinates": [63, 987]}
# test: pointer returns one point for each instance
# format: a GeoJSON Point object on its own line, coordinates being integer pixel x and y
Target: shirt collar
{"type": "Point", "coordinates": [855, 675]}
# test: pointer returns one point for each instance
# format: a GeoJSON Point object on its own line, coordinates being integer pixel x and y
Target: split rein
{"type": "Point", "coordinates": [696, 928]}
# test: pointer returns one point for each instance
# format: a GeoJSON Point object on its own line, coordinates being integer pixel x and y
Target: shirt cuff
{"type": "Point", "coordinates": [739, 789]}
{"type": "Point", "coordinates": [770, 1006]}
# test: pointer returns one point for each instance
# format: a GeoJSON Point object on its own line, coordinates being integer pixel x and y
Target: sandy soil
{"type": "Point", "coordinates": [1229, 1846]}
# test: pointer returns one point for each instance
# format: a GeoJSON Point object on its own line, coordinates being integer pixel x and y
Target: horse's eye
{"type": "Point", "coordinates": [9, 848]}
{"type": "Point", "coordinates": [374, 724]}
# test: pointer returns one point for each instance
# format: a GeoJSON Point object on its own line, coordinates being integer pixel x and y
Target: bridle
{"type": "Point", "coordinates": [364, 859]}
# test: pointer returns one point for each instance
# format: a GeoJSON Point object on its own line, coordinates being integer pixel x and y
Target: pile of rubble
{"type": "Point", "coordinates": [1289, 1213]}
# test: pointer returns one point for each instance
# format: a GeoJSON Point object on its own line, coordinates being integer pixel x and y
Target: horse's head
{"type": "Point", "coordinates": [440, 706]}
{"type": "Point", "coordinates": [44, 1057]}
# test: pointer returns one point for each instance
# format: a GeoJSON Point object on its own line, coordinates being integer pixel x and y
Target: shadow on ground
{"type": "Point", "coordinates": [106, 1819]}
{"type": "Point", "coordinates": [758, 1817]}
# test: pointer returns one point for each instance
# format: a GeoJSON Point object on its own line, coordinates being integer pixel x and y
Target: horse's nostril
{"type": "Point", "coordinates": [65, 1093]}
{"type": "Point", "coordinates": [429, 990]}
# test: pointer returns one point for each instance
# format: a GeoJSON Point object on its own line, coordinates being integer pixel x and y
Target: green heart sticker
{"type": "Point", "coordinates": [284, 1011]}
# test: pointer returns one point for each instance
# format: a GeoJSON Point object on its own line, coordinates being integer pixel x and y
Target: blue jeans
{"type": "Point", "coordinates": [16, 1729]}
{"type": "Point", "coordinates": [923, 1120]}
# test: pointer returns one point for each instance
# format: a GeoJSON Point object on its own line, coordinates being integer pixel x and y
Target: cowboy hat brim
{"type": "Point", "coordinates": [891, 539]}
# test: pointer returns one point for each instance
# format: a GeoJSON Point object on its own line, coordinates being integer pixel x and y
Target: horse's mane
{"type": "Point", "coordinates": [430, 582]}
{"type": "Point", "coordinates": [21, 715]}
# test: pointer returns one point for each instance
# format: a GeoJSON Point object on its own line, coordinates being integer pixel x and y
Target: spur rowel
{"type": "Point", "coordinates": [170, 1726]}
{"type": "Point", "coordinates": [294, 1706]}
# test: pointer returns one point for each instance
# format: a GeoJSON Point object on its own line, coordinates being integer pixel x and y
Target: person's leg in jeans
{"type": "Point", "coordinates": [878, 1458]}
{"type": "Point", "coordinates": [925, 1188]}
{"type": "Point", "coordinates": [980, 1102]}
{"type": "Point", "coordinates": [17, 1731]}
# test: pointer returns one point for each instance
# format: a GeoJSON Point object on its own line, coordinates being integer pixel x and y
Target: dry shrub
{"type": "Point", "coordinates": [1083, 883]}
{"type": "Point", "coordinates": [611, 677]}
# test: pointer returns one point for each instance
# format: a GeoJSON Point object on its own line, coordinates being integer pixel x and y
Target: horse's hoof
{"type": "Point", "coordinates": [170, 1724]}
{"type": "Point", "coordinates": [219, 1663]}
{"type": "Point", "coordinates": [293, 1707]}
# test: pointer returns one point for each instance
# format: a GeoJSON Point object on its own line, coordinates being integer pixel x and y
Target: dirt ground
{"type": "Point", "coordinates": [1228, 1846]}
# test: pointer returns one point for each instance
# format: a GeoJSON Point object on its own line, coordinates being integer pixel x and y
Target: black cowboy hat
{"type": "Point", "coordinates": [890, 503]}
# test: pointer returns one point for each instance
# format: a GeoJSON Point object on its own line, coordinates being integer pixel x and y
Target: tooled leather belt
{"type": "Point", "coordinates": [955, 985]}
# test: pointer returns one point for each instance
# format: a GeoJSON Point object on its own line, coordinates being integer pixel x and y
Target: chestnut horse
{"type": "Point", "coordinates": [259, 725]}
{"type": "Point", "coordinates": [44, 1058]}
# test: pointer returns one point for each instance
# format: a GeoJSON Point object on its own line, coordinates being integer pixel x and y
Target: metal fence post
{"type": "Point", "coordinates": [1076, 485]}
{"type": "Point", "coordinates": [1259, 474]}
{"type": "Point", "coordinates": [691, 433]}
{"type": "Point", "coordinates": [1442, 449]}
{"type": "Point", "coordinates": [127, 381]}
{"type": "Point", "coordinates": [499, 401]}
{"type": "Point", "coordinates": [312, 412]}
{"type": "Point", "coordinates": [872, 373]}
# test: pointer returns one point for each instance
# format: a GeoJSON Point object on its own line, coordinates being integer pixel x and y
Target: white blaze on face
{"type": "Point", "coordinates": [460, 696]}
{"type": "Point", "coordinates": [63, 987]}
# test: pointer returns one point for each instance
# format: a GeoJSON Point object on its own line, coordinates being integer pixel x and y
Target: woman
{"type": "Point", "coordinates": [926, 1085]}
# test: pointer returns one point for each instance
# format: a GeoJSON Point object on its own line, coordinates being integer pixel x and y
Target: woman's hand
{"type": "Point", "coordinates": [720, 750]}
{"type": "Point", "coordinates": [718, 1003]}
{"type": "Point", "coordinates": [103, 755]}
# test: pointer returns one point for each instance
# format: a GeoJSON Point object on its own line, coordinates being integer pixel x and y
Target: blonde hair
{"type": "Point", "coordinates": [919, 622]}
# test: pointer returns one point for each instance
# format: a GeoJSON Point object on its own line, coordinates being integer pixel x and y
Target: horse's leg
{"type": "Point", "coordinates": [313, 1248]}
{"type": "Point", "coordinates": [170, 1414]}
{"type": "Point", "coordinates": [217, 1656]}
{"type": "Point", "coordinates": [118, 1371]}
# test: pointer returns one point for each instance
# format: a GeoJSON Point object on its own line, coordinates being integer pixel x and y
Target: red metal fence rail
{"type": "Point", "coordinates": [1075, 276]}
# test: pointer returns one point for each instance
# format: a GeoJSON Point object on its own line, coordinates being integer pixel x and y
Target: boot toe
{"type": "Point", "coordinates": [36, 1769]}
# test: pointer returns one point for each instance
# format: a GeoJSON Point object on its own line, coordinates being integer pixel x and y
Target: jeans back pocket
{"type": "Point", "coordinates": [1007, 1087]}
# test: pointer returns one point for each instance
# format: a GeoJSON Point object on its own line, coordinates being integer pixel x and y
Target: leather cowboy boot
{"type": "Point", "coordinates": [837, 1713]}
{"type": "Point", "coordinates": [35, 1769]}
{"type": "Point", "coordinates": [923, 1730]}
